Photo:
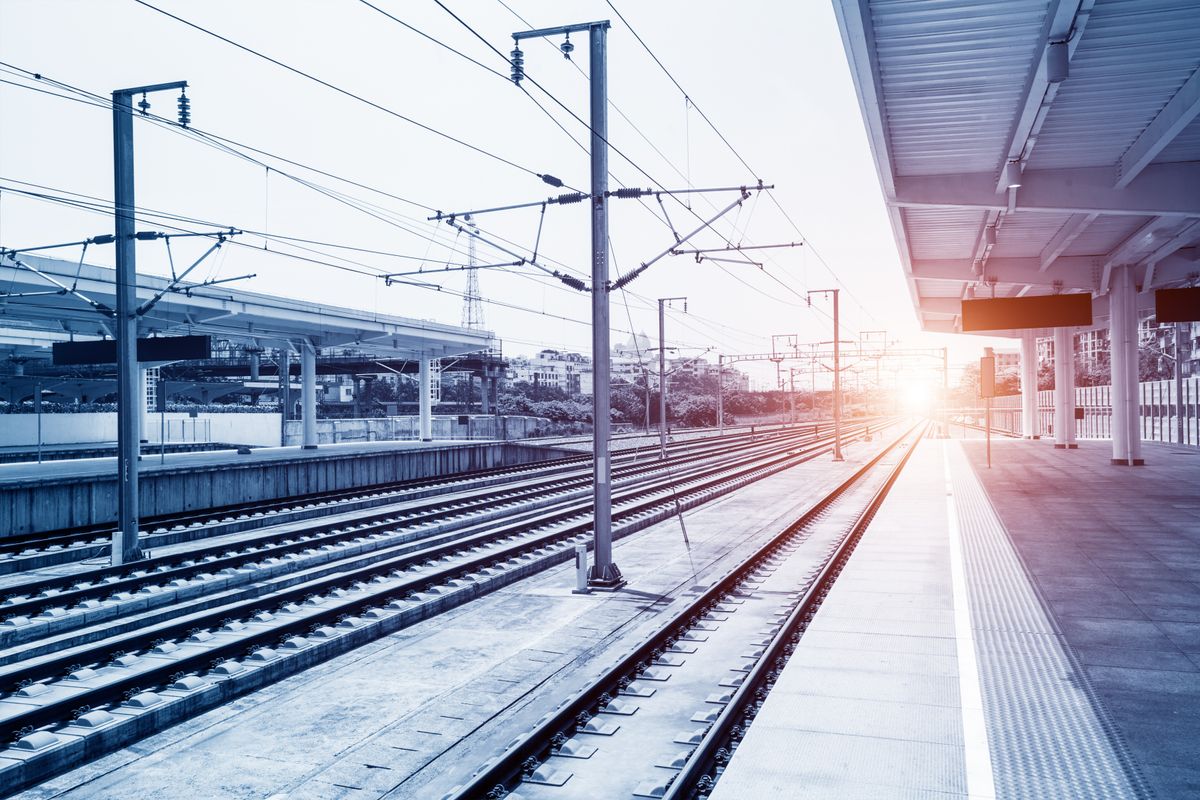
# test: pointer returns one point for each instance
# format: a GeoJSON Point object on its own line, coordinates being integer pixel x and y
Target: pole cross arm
{"type": "Point", "coordinates": [734, 248]}
{"type": "Point", "coordinates": [153, 87]}
{"type": "Point", "coordinates": [569, 280]}
{"type": "Point", "coordinates": [540, 33]}
{"type": "Point", "coordinates": [450, 268]}
{"type": "Point", "coordinates": [622, 282]}
{"type": "Point", "coordinates": [173, 286]}
{"type": "Point", "coordinates": [561, 200]}
{"type": "Point", "coordinates": [62, 287]}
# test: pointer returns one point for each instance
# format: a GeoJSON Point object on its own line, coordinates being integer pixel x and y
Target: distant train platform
{"type": "Point", "coordinates": [81, 493]}
{"type": "Point", "coordinates": [66, 452]}
{"type": "Point", "coordinates": [1028, 630]}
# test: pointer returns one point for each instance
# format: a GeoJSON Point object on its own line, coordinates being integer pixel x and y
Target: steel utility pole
{"type": "Point", "coordinates": [662, 373]}
{"type": "Point", "coordinates": [720, 394]}
{"type": "Point", "coordinates": [837, 373]}
{"type": "Point", "coordinates": [792, 392]}
{"type": "Point", "coordinates": [130, 401]}
{"type": "Point", "coordinates": [603, 574]}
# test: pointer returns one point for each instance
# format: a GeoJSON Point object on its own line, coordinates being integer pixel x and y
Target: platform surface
{"type": "Point", "coordinates": [1115, 552]}
{"type": "Point", "coordinates": [941, 666]}
{"type": "Point", "coordinates": [90, 467]}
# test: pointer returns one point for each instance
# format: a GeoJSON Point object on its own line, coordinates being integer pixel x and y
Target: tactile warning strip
{"type": "Point", "coordinates": [1049, 735]}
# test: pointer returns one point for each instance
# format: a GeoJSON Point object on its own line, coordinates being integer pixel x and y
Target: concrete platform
{"type": "Point", "coordinates": [66, 494]}
{"type": "Point", "coordinates": [1115, 554]}
{"type": "Point", "coordinates": [1032, 630]}
{"type": "Point", "coordinates": [66, 452]}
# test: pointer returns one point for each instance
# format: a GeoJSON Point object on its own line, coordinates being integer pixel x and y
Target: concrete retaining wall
{"type": "Point", "coordinates": [34, 505]}
{"type": "Point", "coordinates": [22, 429]}
{"type": "Point", "coordinates": [445, 427]}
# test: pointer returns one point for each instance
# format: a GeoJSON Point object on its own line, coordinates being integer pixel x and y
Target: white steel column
{"type": "Point", "coordinates": [1132, 382]}
{"type": "Point", "coordinates": [1126, 436]}
{"type": "Point", "coordinates": [1064, 389]}
{"type": "Point", "coordinates": [425, 403]}
{"type": "Point", "coordinates": [1072, 423]}
{"type": "Point", "coordinates": [308, 394]}
{"type": "Point", "coordinates": [1029, 410]}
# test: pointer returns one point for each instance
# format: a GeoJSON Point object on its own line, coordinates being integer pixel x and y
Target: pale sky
{"type": "Point", "coordinates": [771, 76]}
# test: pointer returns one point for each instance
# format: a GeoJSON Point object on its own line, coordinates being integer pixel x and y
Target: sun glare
{"type": "Point", "coordinates": [916, 397]}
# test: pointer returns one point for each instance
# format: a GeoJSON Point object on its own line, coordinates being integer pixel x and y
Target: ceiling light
{"type": "Point", "coordinates": [1058, 62]}
{"type": "Point", "coordinates": [1012, 174]}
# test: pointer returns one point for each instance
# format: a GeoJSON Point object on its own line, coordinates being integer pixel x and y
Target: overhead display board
{"type": "Point", "coordinates": [1177, 305]}
{"type": "Point", "coordinates": [1005, 313]}
{"type": "Point", "coordinates": [163, 348]}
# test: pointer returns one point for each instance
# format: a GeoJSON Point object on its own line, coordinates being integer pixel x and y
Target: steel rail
{"type": "Point", "coordinates": [502, 775]}
{"type": "Point", "coordinates": [54, 592]}
{"type": "Point", "coordinates": [59, 710]}
{"type": "Point", "coordinates": [703, 767]}
{"type": "Point", "coordinates": [17, 543]}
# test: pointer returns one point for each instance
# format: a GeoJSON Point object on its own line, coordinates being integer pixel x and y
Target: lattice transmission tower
{"type": "Point", "coordinates": [472, 311]}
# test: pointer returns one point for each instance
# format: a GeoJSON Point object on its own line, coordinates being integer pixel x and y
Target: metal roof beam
{"type": "Point", "coordinates": [1066, 235]}
{"type": "Point", "coordinates": [1185, 235]}
{"type": "Point", "coordinates": [1074, 272]}
{"type": "Point", "coordinates": [1169, 190]}
{"type": "Point", "coordinates": [940, 326]}
{"type": "Point", "coordinates": [1176, 115]}
{"type": "Point", "coordinates": [1133, 249]}
{"type": "Point", "coordinates": [941, 305]}
{"type": "Point", "coordinates": [1179, 267]}
{"type": "Point", "coordinates": [1065, 20]}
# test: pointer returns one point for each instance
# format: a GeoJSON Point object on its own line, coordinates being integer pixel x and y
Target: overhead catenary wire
{"type": "Point", "coordinates": [206, 138]}
{"type": "Point", "coordinates": [372, 188]}
{"type": "Point", "coordinates": [691, 100]}
{"type": "Point", "coordinates": [636, 166]}
{"type": "Point", "coordinates": [582, 122]}
{"type": "Point", "coordinates": [364, 270]}
{"type": "Point", "coordinates": [152, 216]}
{"type": "Point", "coordinates": [345, 92]}
{"type": "Point", "coordinates": [501, 55]}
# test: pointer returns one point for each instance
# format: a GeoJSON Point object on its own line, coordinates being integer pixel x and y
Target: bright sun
{"type": "Point", "coordinates": [916, 396]}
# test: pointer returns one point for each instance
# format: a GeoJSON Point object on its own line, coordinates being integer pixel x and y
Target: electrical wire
{"type": "Point", "coordinates": [735, 152]}
{"type": "Point", "coordinates": [102, 102]}
{"type": "Point", "coordinates": [342, 91]}
{"type": "Point", "coordinates": [366, 270]}
{"type": "Point", "coordinates": [687, 206]}
{"type": "Point", "coordinates": [370, 209]}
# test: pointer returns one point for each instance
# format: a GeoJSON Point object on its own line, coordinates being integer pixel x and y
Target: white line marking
{"type": "Point", "coordinates": [980, 779]}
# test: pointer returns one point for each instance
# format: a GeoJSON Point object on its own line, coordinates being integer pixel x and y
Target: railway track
{"type": "Point", "coordinates": [28, 551]}
{"type": "Point", "coordinates": [381, 531]}
{"type": "Point", "coordinates": [664, 721]}
{"type": "Point", "coordinates": [120, 653]}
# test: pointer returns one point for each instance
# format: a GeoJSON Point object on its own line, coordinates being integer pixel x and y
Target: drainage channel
{"type": "Point", "coordinates": [664, 720]}
{"type": "Point", "coordinates": [162, 676]}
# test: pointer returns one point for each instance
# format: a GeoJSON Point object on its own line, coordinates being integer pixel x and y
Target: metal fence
{"type": "Point", "coordinates": [1161, 412]}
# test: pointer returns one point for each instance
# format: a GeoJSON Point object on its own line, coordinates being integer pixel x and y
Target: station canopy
{"type": "Point", "coordinates": [1028, 147]}
{"type": "Point", "coordinates": [33, 315]}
